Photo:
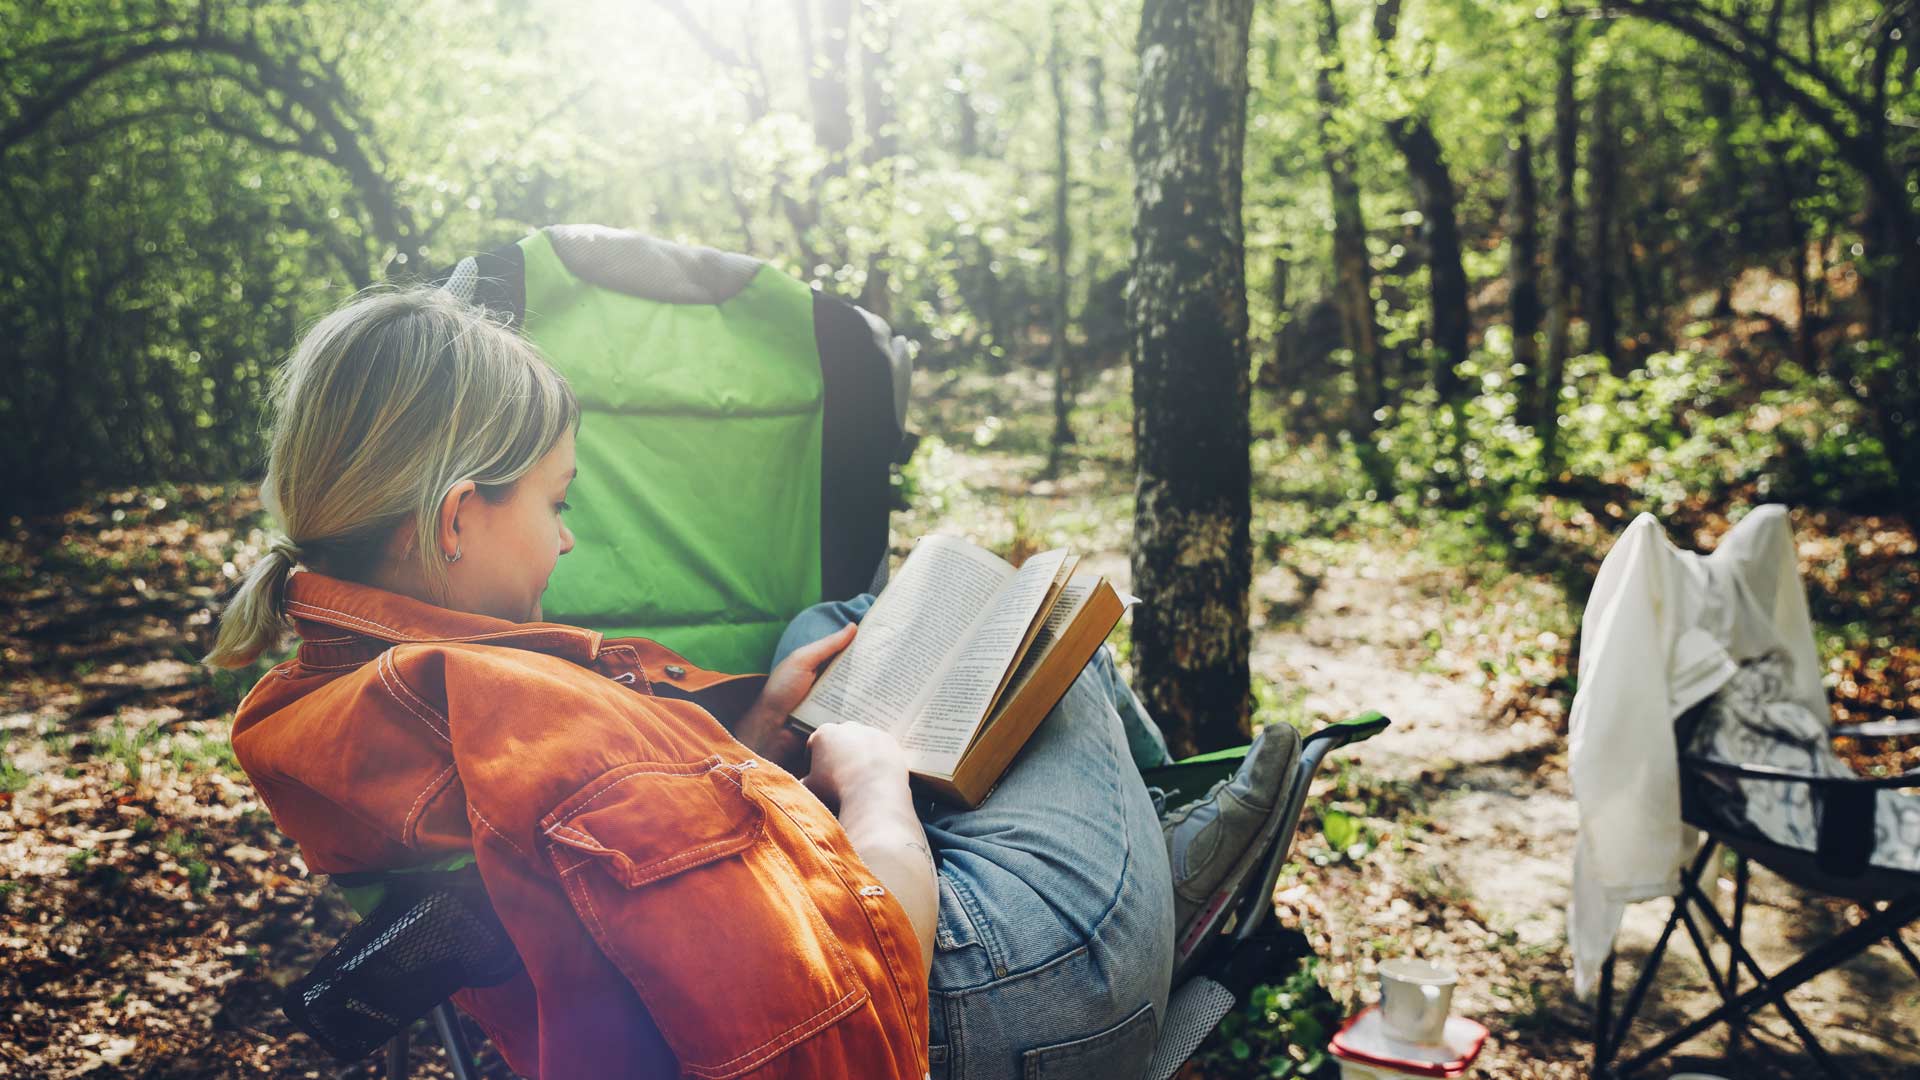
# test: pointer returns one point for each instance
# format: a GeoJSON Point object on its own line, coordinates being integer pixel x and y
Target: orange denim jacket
{"type": "Point", "coordinates": [683, 906]}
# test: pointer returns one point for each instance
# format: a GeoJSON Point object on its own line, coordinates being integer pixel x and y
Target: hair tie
{"type": "Point", "coordinates": [286, 549]}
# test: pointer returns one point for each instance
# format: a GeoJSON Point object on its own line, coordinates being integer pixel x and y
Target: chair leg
{"type": "Point", "coordinates": [1778, 999]}
{"type": "Point", "coordinates": [1906, 952]}
{"type": "Point", "coordinates": [1721, 985]}
{"type": "Point", "coordinates": [459, 1057]}
{"type": "Point", "coordinates": [1740, 880]}
{"type": "Point", "coordinates": [397, 1056]}
{"type": "Point", "coordinates": [1608, 1043]}
{"type": "Point", "coordinates": [1603, 1019]}
{"type": "Point", "coordinates": [1773, 990]}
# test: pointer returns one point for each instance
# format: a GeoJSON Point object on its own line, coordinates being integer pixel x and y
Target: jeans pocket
{"type": "Point", "coordinates": [953, 929]}
{"type": "Point", "coordinates": [1121, 1051]}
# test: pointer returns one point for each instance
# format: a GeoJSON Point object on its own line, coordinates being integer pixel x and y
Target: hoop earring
{"type": "Point", "coordinates": [455, 557]}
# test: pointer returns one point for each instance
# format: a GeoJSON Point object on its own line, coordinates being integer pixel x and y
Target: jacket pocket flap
{"type": "Point", "coordinates": [648, 821]}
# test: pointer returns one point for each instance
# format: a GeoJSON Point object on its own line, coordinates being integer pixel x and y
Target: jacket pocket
{"type": "Point", "coordinates": [671, 869]}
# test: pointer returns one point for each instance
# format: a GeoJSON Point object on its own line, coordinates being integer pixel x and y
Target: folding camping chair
{"type": "Point", "coordinates": [1838, 866]}
{"type": "Point", "coordinates": [804, 396]}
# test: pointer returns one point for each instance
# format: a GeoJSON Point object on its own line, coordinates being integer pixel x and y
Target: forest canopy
{"type": "Point", "coordinates": [1448, 204]}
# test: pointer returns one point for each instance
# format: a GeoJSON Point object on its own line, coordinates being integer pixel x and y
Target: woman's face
{"type": "Point", "coordinates": [508, 550]}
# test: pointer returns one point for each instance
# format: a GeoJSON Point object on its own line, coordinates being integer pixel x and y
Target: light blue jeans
{"type": "Point", "coordinates": [1055, 939]}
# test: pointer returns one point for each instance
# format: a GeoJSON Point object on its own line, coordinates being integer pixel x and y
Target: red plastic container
{"type": "Point", "coordinates": [1366, 1052]}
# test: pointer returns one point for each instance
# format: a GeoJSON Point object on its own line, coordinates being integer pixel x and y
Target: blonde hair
{"type": "Point", "coordinates": [383, 407]}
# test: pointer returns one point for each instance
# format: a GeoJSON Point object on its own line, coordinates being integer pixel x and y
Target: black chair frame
{"type": "Point", "coordinates": [1837, 867]}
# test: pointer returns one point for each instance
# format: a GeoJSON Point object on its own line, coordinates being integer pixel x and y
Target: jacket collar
{"type": "Point", "coordinates": [341, 622]}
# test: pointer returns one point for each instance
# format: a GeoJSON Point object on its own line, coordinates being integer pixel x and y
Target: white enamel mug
{"type": "Point", "coordinates": [1415, 998]}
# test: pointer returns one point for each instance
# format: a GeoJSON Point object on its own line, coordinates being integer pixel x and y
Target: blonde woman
{"type": "Point", "coordinates": [683, 905]}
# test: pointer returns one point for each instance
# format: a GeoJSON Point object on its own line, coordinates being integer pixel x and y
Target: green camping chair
{"type": "Point", "coordinates": [737, 439]}
{"type": "Point", "coordinates": [739, 429]}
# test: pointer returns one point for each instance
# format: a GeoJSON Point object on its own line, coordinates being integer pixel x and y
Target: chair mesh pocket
{"type": "Point", "coordinates": [433, 934]}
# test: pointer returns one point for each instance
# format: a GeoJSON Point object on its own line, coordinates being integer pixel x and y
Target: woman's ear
{"type": "Point", "coordinates": [451, 505]}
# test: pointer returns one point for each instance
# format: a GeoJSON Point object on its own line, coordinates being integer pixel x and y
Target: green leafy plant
{"type": "Point", "coordinates": [1347, 837]}
{"type": "Point", "coordinates": [12, 777]}
{"type": "Point", "coordinates": [1280, 1032]}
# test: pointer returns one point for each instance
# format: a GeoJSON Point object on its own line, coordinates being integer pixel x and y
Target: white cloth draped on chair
{"type": "Point", "coordinates": [1663, 629]}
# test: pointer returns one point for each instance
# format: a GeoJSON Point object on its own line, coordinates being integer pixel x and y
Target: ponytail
{"type": "Point", "coordinates": [253, 621]}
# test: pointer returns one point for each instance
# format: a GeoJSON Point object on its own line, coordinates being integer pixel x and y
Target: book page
{"type": "Point", "coordinates": [949, 717]}
{"type": "Point", "coordinates": [908, 637]}
{"type": "Point", "coordinates": [1061, 574]}
{"type": "Point", "coordinates": [1072, 599]}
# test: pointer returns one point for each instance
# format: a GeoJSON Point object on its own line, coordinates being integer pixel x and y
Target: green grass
{"type": "Point", "coordinates": [12, 778]}
{"type": "Point", "coordinates": [127, 746]}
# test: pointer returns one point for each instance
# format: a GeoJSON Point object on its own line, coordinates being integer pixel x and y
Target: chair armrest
{"type": "Point", "coordinates": [1794, 776]}
{"type": "Point", "coordinates": [1351, 730]}
{"type": "Point", "coordinates": [1881, 729]}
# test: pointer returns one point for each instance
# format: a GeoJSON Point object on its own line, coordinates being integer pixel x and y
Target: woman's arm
{"type": "Point", "coordinates": [763, 726]}
{"type": "Point", "coordinates": [861, 774]}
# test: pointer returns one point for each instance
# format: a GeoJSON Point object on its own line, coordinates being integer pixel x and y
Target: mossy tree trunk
{"type": "Point", "coordinates": [1192, 552]}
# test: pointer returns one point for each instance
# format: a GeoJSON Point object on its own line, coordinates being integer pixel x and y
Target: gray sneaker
{"type": "Point", "coordinates": [1215, 841]}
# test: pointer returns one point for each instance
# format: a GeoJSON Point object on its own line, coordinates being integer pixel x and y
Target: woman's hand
{"type": "Point", "coordinates": [763, 728]}
{"type": "Point", "coordinates": [853, 763]}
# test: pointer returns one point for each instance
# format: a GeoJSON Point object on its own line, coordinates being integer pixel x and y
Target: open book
{"type": "Point", "coordinates": [962, 656]}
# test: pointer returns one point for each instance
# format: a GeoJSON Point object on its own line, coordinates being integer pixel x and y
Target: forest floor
{"type": "Point", "coordinates": [149, 911]}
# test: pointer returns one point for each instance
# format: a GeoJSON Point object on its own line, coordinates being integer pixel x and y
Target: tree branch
{"type": "Point", "coordinates": [35, 116]}
{"type": "Point", "coordinates": [1732, 37]}
{"type": "Point", "coordinates": [1756, 57]}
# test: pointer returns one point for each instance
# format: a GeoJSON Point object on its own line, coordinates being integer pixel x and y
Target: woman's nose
{"type": "Point", "coordinates": [566, 539]}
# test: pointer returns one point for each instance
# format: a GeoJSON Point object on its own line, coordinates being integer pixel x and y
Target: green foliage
{"type": "Point", "coordinates": [127, 746]}
{"type": "Point", "coordinates": [178, 844]}
{"type": "Point", "coordinates": [1281, 1031]}
{"type": "Point", "coordinates": [1346, 835]}
{"type": "Point", "coordinates": [212, 750]}
{"type": "Point", "coordinates": [12, 778]}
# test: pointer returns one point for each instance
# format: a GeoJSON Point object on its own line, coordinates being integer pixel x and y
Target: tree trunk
{"type": "Point", "coordinates": [1279, 372]}
{"type": "Point", "coordinates": [826, 51]}
{"type": "Point", "coordinates": [882, 144]}
{"type": "Point", "coordinates": [1352, 272]}
{"type": "Point", "coordinates": [1440, 228]}
{"type": "Point", "coordinates": [1062, 242]}
{"type": "Point", "coordinates": [1793, 231]}
{"type": "Point", "coordinates": [824, 55]}
{"type": "Point", "coordinates": [1603, 174]}
{"type": "Point", "coordinates": [1523, 253]}
{"type": "Point", "coordinates": [1433, 192]}
{"type": "Point", "coordinates": [1566, 124]}
{"type": "Point", "coordinates": [1097, 91]}
{"type": "Point", "coordinates": [965, 116]}
{"type": "Point", "coordinates": [1192, 554]}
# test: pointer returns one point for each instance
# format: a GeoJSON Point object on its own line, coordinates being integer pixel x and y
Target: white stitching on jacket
{"type": "Point", "coordinates": [410, 828]}
{"type": "Point", "coordinates": [380, 669]}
